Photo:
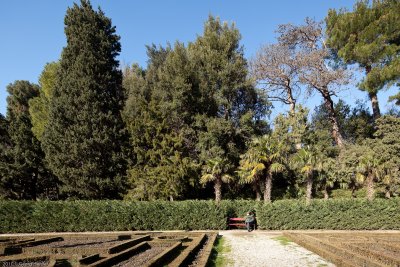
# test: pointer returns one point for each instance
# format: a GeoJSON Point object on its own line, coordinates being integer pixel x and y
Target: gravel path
{"type": "Point", "coordinates": [260, 248]}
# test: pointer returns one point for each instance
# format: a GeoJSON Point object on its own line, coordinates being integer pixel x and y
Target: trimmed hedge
{"type": "Point", "coordinates": [335, 214]}
{"type": "Point", "coordinates": [76, 216]}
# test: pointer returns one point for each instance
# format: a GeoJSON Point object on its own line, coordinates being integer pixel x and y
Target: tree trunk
{"type": "Point", "coordinates": [353, 192]}
{"type": "Point", "coordinates": [387, 194]}
{"type": "Point", "coordinates": [373, 98]}
{"type": "Point", "coordinates": [326, 194]}
{"type": "Point", "coordinates": [375, 105]}
{"type": "Point", "coordinates": [268, 187]}
{"type": "Point", "coordinates": [337, 136]}
{"type": "Point", "coordinates": [217, 189]}
{"type": "Point", "coordinates": [309, 188]}
{"type": "Point", "coordinates": [370, 186]}
{"type": "Point", "coordinates": [292, 110]}
{"type": "Point", "coordinates": [292, 103]}
{"type": "Point", "coordinates": [257, 190]}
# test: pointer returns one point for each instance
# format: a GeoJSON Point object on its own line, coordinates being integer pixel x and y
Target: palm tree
{"type": "Point", "coordinates": [264, 158]}
{"type": "Point", "coordinates": [307, 160]}
{"type": "Point", "coordinates": [346, 167]}
{"type": "Point", "coordinates": [326, 174]}
{"type": "Point", "coordinates": [215, 171]}
{"type": "Point", "coordinates": [250, 170]}
{"type": "Point", "coordinates": [369, 169]}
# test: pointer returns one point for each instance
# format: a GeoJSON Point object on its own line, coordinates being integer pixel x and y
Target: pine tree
{"type": "Point", "coordinates": [21, 159]}
{"type": "Point", "coordinates": [159, 110]}
{"type": "Point", "coordinates": [85, 138]}
{"type": "Point", "coordinates": [231, 108]}
{"type": "Point", "coordinates": [222, 70]}
{"type": "Point", "coordinates": [369, 36]}
{"type": "Point", "coordinates": [174, 105]}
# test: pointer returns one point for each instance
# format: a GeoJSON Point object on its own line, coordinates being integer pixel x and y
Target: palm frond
{"type": "Point", "coordinates": [276, 167]}
{"type": "Point", "coordinates": [226, 178]}
{"type": "Point", "coordinates": [207, 178]}
{"type": "Point", "coordinates": [307, 169]}
{"type": "Point", "coordinates": [257, 168]}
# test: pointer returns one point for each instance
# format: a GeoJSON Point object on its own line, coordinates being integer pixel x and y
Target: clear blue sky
{"type": "Point", "coordinates": [32, 32]}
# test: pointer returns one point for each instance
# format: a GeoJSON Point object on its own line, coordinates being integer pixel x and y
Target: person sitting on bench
{"type": "Point", "coordinates": [250, 221]}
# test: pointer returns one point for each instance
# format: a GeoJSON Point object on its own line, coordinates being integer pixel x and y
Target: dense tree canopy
{"type": "Point", "coordinates": [369, 36]}
{"type": "Point", "coordinates": [191, 105]}
{"type": "Point", "coordinates": [193, 124]}
{"type": "Point", "coordinates": [84, 137]}
{"type": "Point", "coordinates": [21, 166]}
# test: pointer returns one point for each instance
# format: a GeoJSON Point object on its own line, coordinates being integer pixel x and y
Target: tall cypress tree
{"type": "Point", "coordinates": [84, 139]}
{"type": "Point", "coordinates": [21, 156]}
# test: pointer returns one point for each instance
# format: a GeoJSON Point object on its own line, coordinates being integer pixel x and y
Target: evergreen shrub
{"type": "Point", "coordinates": [106, 215]}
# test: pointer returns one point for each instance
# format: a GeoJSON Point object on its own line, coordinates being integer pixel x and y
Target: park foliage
{"type": "Point", "coordinates": [196, 123]}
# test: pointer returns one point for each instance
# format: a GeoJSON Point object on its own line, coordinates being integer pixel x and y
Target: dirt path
{"type": "Point", "coordinates": [262, 248]}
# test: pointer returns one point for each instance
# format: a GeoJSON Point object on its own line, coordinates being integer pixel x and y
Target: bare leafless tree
{"type": "Point", "coordinates": [276, 68]}
{"type": "Point", "coordinates": [305, 36]}
{"type": "Point", "coordinates": [312, 59]}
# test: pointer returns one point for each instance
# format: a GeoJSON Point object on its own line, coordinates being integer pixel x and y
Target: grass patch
{"type": "Point", "coordinates": [218, 254]}
{"type": "Point", "coordinates": [283, 240]}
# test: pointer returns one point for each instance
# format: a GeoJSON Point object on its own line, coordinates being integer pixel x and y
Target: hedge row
{"type": "Point", "coordinates": [76, 216]}
{"type": "Point", "coordinates": [335, 214]}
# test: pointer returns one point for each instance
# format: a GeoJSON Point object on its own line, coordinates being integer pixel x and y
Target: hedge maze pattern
{"type": "Point", "coordinates": [352, 248]}
{"type": "Point", "coordinates": [135, 249]}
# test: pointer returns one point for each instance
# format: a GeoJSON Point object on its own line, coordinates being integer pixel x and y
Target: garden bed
{"type": "Point", "coordinates": [352, 248]}
{"type": "Point", "coordinates": [105, 249]}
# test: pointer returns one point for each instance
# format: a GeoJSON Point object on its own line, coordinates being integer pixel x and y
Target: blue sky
{"type": "Point", "coordinates": [32, 32]}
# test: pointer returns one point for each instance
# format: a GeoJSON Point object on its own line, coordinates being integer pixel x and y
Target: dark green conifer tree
{"type": "Point", "coordinates": [4, 139]}
{"type": "Point", "coordinates": [356, 123]}
{"type": "Point", "coordinates": [368, 36]}
{"type": "Point", "coordinates": [84, 138]}
{"type": "Point", "coordinates": [188, 101]}
{"type": "Point", "coordinates": [4, 144]}
{"type": "Point", "coordinates": [388, 151]}
{"type": "Point", "coordinates": [231, 107]}
{"type": "Point", "coordinates": [160, 108]}
{"type": "Point", "coordinates": [21, 156]}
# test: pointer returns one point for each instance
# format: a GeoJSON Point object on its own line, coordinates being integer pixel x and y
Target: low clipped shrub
{"type": "Point", "coordinates": [334, 214]}
{"type": "Point", "coordinates": [105, 215]}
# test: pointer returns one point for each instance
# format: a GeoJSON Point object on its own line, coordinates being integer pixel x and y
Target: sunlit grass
{"type": "Point", "coordinates": [219, 253]}
{"type": "Point", "coordinates": [283, 240]}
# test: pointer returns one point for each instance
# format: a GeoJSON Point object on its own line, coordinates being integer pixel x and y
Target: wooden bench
{"type": "Point", "coordinates": [238, 223]}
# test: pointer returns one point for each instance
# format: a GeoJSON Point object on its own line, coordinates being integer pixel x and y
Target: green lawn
{"type": "Point", "coordinates": [218, 254]}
